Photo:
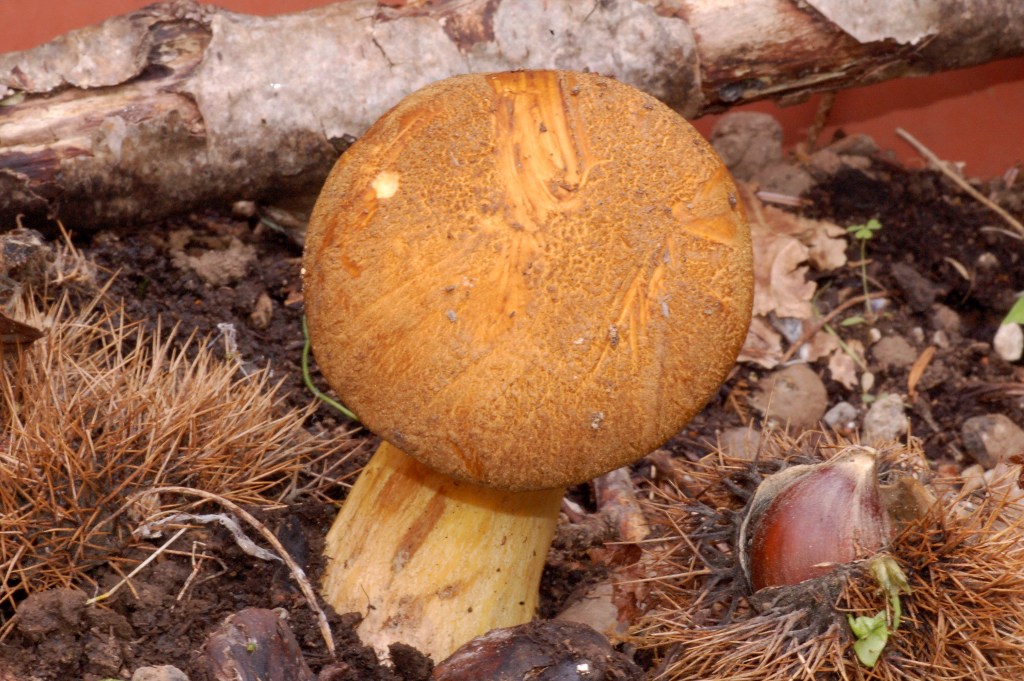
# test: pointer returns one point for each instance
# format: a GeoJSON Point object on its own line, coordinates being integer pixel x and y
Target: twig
{"type": "Point", "coordinates": [297, 573]}
{"type": "Point", "coordinates": [818, 324]}
{"type": "Point", "coordinates": [230, 524]}
{"type": "Point", "coordinates": [943, 167]}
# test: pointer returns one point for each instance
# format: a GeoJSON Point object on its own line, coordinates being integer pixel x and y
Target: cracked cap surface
{"type": "Point", "coordinates": [527, 279]}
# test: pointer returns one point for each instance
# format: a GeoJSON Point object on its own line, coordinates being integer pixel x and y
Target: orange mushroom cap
{"type": "Point", "coordinates": [527, 279]}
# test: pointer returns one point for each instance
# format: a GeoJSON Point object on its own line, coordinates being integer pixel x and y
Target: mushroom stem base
{"type": "Point", "coordinates": [433, 562]}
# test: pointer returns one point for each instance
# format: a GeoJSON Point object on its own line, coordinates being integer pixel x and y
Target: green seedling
{"type": "Point", "coordinates": [1016, 313]}
{"type": "Point", "coordinates": [320, 395]}
{"type": "Point", "coordinates": [872, 633]}
{"type": "Point", "coordinates": [863, 234]}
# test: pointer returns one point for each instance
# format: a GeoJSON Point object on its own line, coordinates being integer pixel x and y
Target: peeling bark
{"type": "Point", "coordinates": [180, 105]}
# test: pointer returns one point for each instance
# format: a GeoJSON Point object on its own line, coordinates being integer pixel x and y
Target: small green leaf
{"type": "Point", "coordinates": [853, 321]}
{"type": "Point", "coordinates": [872, 634]}
{"type": "Point", "coordinates": [893, 582]}
{"type": "Point", "coordinates": [1016, 313]}
{"type": "Point", "coordinates": [865, 231]}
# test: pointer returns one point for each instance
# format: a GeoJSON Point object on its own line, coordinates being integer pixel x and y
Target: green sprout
{"type": "Point", "coordinates": [323, 397]}
{"type": "Point", "coordinates": [863, 234]}
{"type": "Point", "coordinates": [1016, 313]}
{"type": "Point", "coordinates": [872, 633]}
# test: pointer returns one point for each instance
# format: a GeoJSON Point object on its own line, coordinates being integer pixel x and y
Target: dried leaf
{"type": "Point", "coordinates": [820, 345]}
{"type": "Point", "coordinates": [827, 248]}
{"type": "Point", "coordinates": [843, 367]}
{"type": "Point", "coordinates": [780, 281]}
{"type": "Point", "coordinates": [763, 345]}
{"type": "Point", "coordinates": [917, 370]}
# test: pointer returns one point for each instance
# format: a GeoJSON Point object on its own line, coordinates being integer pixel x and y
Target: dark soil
{"type": "Point", "coordinates": [165, 617]}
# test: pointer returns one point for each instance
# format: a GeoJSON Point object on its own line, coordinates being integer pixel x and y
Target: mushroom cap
{"type": "Point", "coordinates": [528, 279]}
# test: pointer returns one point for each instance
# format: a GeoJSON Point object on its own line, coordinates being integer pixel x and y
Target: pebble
{"type": "Point", "coordinates": [262, 311]}
{"type": "Point", "coordinates": [991, 439]}
{"type": "Point", "coordinates": [885, 420]}
{"type": "Point", "coordinates": [825, 162]}
{"type": "Point", "coordinates": [855, 145]}
{"type": "Point", "coordinates": [784, 178]}
{"type": "Point", "coordinates": [893, 352]}
{"type": "Point", "coordinates": [843, 416]}
{"type": "Point", "coordinates": [973, 477]}
{"type": "Point", "coordinates": [945, 318]}
{"type": "Point", "coordinates": [920, 291]}
{"type": "Point", "coordinates": [747, 142]}
{"type": "Point", "coordinates": [164, 672]}
{"type": "Point", "coordinates": [1009, 342]}
{"type": "Point", "coordinates": [794, 396]}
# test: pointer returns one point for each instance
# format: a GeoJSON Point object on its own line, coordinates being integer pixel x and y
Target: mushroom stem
{"type": "Point", "coordinates": [431, 561]}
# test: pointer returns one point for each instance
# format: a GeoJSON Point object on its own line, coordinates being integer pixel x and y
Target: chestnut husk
{"type": "Point", "coordinates": [703, 622]}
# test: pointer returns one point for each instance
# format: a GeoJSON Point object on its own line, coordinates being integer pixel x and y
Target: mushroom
{"type": "Point", "coordinates": [520, 281]}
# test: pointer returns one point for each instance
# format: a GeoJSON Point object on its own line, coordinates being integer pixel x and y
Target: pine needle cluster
{"type": "Point", "coordinates": [97, 412]}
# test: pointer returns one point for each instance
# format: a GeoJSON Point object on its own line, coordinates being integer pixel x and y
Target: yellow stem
{"type": "Point", "coordinates": [433, 562]}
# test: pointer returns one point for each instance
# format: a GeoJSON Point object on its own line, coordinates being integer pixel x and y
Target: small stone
{"type": "Point", "coordinates": [940, 339]}
{"type": "Point", "coordinates": [747, 142]}
{"type": "Point", "coordinates": [885, 421]}
{"type": "Point", "coordinates": [164, 672]}
{"type": "Point", "coordinates": [244, 209]}
{"type": "Point", "coordinates": [973, 477]}
{"type": "Point", "coordinates": [262, 311]}
{"type": "Point", "coordinates": [825, 163]}
{"type": "Point", "coordinates": [739, 442]}
{"type": "Point", "coordinates": [992, 438]}
{"type": "Point", "coordinates": [794, 396]}
{"type": "Point", "coordinates": [784, 178]}
{"type": "Point", "coordinates": [893, 352]}
{"type": "Point", "coordinates": [1009, 342]}
{"type": "Point", "coordinates": [854, 145]}
{"type": "Point", "coordinates": [946, 319]}
{"type": "Point", "coordinates": [920, 291]}
{"type": "Point", "coordinates": [843, 416]}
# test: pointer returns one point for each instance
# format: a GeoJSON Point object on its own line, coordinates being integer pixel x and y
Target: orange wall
{"type": "Point", "coordinates": [974, 115]}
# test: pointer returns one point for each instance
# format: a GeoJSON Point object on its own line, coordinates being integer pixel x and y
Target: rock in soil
{"type": "Point", "coordinates": [991, 439]}
{"type": "Point", "coordinates": [794, 396]}
{"type": "Point", "coordinates": [886, 420]}
{"type": "Point", "coordinates": [748, 142]}
{"type": "Point", "coordinates": [893, 352]}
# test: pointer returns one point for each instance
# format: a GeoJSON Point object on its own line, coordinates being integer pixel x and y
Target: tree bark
{"type": "Point", "coordinates": [180, 105]}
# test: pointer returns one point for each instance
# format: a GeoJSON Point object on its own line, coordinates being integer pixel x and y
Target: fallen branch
{"type": "Point", "coordinates": [180, 105]}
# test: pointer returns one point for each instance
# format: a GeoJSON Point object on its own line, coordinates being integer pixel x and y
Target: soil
{"type": "Point", "coordinates": [932, 236]}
